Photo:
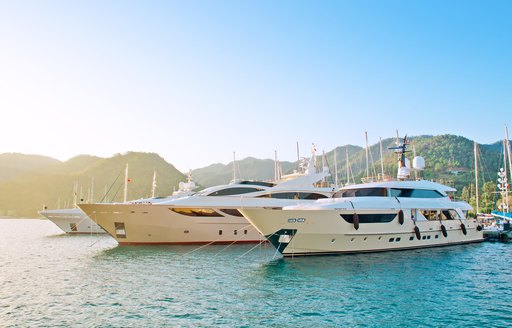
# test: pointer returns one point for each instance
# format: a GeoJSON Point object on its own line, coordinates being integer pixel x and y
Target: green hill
{"type": "Point", "coordinates": [28, 182]}
{"type": "Point", "coordinates": [53, 185]}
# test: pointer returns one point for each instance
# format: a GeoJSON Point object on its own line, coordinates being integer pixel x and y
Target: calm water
{"type": "Point", "coordinates": [48, 279]}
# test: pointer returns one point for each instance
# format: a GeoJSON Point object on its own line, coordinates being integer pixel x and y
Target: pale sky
{"type": "Point", "coordinates": [195, 81]}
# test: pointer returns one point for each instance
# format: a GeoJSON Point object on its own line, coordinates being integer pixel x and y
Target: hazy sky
{"type": "Point", "coordinates": [195, 81]}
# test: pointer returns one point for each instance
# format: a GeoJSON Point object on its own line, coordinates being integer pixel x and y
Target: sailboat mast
{"type": "Point", "coordinates": [366, 143]}
{"type": "Point", "coordinates": [335, 169]}
{"type": "Point", "coordinates": [505, 183]}
{"type": "Point", "coordinates": [381, 161]}
{"type": "Point", "coordinates": [508, 152]}
{"type": "Point", "coordinates": [125, 184]}
{"type": "Point", "coordinates": [476, 175]}
{"type": "Point", "coordinates": [234, 167]}
{"type": "Point", "coordinates": [348, 165]}
{"type": "Point", "coordinates": [154, 184]}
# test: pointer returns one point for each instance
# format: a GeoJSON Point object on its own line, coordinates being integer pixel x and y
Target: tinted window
{"type": "Point", "coordinates": [196, 212]}
{"type": "Point", "coordinates": [294, 195]}
{"type": "Point", "coordinates": [364, 192]}
{"type": "Point", "coordinates": [233, 191]}
{"type": "Point", "coordinates": [370, 218]}
{"type": "Point", "coordinates": [415, 193]}
{"type": "Point", "coordinates": [231, 211]}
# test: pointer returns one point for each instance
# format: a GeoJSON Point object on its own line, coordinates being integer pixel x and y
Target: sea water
{"type": "Point", "coordinates": [50, 279]}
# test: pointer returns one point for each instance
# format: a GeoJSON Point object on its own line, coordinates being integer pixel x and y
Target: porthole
{"type": "Point", "coordinates": [235, 232]}
{"type": "Point", "coordinates": [365, 238]}
{"type": "Point", "coordinates": [186, 231]}
{"type": "Point", "coordinates": [220, 232]}
{"type": "Point", "coordinates": [352, 239]}
{"type": "Point", "coordinates": [428, 237]}
{"type": "Point", "coordinates": [391, 240]}
{"type": "Point", "coordinates": [411, 238]}
{"type": "Point", "coordinates": [436, 236]}
{"type": "Point", "coordinates": [333, 240]}
{"type": "Point", "coordinates": [380, 238]}
{"type": "Point", "coordinates": [245, 232]}
{"type": "Point", "coordinates": [398, 239]}
{"type": "Point", "coordinates": [424, 237]}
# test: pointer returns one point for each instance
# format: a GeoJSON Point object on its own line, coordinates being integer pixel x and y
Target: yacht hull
{"type": "Point", "coordinates": [322, 232]}
{"type": "Point", "coordinates": [132, 224]}
{"type": "Point", "coordinates": [72, 221]}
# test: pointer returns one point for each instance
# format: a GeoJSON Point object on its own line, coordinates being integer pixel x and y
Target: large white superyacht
{"type": "Point", "coordinates": [209, 216]}
{"type": "Point", "coordinates": [370, 217]}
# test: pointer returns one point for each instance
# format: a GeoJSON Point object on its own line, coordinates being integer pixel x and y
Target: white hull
{"type": "Point", "coordinates": [158, 224]}
{"type": "Point", "coordinates": [72, 221]}
{"type": "Point", "coordinates": [316, 232]}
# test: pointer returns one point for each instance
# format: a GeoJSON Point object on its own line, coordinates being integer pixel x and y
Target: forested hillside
{"type": "Point", "coordinates": [29, 182]}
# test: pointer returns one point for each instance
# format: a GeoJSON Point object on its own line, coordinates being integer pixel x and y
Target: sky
{"type": "Point", "coordinates": [196, 81]}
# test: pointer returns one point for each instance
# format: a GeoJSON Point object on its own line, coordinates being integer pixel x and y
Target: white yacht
{"type": "Point", "coordinates": [72, 221]}
{"type": "Point", "coordinates": [371, 217]}
{"type": "Point", "coordinates": [209, 216]}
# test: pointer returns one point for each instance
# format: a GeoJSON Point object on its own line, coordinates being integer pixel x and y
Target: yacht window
{"type": "Point", "coordinates": [231, 211]}
{"type": "Point", "coordinates": [370, 218]}
{"type": "Point", "coordinates": [196, 212]}
{"type": "Point", "coordinates": [72, 226]}
{"type": "Point", "coordinates": [415, 193]}
{"type": "Point", "coordinates": [258, 183]}
{"type": "Point", "coordinates": [120, 230]}
{"type": "Point", "coordinates": [363, 192]}
{"type": "Point", "coordinates": [234, 191]}
{"type": "Point", "coordinates": [294, 195]}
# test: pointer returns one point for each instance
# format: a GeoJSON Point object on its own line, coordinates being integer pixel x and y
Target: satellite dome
{"type": "Point", "coordinates": [418, 163]}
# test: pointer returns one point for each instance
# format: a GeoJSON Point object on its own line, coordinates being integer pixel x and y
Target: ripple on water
{"type": "Point", "coordinates": [50, 279]}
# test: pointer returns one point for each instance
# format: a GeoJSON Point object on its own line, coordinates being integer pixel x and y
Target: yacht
{"type": "Point", "coordinates": [72, 221]}
{"type": "Point", "coordinates": [370, 217]}
{"type": "Point", "coordinates": [209, 216]}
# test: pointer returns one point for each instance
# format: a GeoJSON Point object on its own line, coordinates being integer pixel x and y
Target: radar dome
{"type": "Point", "coordinates": [407, 163]}
{"type": "Point", "coordinates": [418, 163]}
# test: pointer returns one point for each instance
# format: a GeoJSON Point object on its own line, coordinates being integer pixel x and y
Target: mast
{"type": "Point", "coordinates": [126, 184]}
{"type": "Point", "coordinates": [154, 184]}
{"type": "Point", "coordinates": [381, 161]}
{"type": "Point", "coordinates": [508, 152]}
{"type": "Point", "coordinates": [505, 183]}
{"type": "Point", "coordinates": [75, 191]}
{"type": "Point", "coordinates": [476, 174]}
{"type": "Point", "coordinates": [275, 165]}
{"type": "Point", "coordinates": [335, 169]}
{"type": "Point", "coordinates": [348, 165]}
{"type": "Point", "coordinates": [234, 167]}
{"type": "Point", "coordinates": [298, 157]}
{"type": "Point", "coordinates": [366, 143]}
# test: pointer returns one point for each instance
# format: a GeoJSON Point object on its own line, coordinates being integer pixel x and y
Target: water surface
{"type": "Point", "coordinates": [49, 279]}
